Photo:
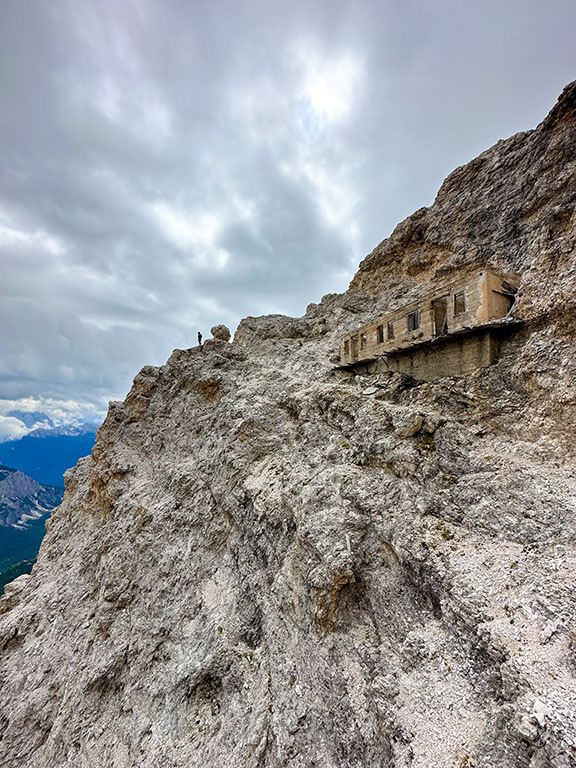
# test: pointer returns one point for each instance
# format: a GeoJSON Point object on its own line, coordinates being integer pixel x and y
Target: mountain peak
{"type": "Point", "coordinates": [31, 418]}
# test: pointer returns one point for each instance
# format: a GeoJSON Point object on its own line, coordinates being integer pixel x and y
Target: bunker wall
{"type": "Point", "coordinates": [454, 357]}
{"type": "Point", "coordinates": [481, 299]}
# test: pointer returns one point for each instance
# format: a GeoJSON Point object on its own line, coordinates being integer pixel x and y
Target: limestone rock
{"type": "Point", "coordinates": [260, 566]}
{"type": "Point", "coordinates": [221, 332]}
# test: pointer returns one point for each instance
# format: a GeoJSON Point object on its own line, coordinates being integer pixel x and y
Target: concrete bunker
{"type": "Point", "coordinates": [453, 331]}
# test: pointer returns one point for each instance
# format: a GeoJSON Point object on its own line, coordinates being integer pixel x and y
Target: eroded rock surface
{"type": "Point", "coordinates": [221, 332]}
{"type": "Point", "coordinates": [270, 563]}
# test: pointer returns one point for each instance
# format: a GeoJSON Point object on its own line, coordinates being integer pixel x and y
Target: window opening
{"type": "Point", "coordinates": [390, 329]}
{"type": "Point", "coordinates": [354, 347]}
{"type": "Point", "coordinates": [413, 320]}
{"type": "Point", "coordinates": [380, 334]}
{"type": "Point", "coordinates": [440, 316]}
{"type": "Point", "coordinates": [362, 341]}
{"type": "Point", "coordinates": [347, 347]}
{"type": "Point", "coordinates": [459, 303]}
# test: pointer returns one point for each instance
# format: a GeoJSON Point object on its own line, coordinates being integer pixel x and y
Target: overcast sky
{"type": "Point", "coordinates": [170, 164]}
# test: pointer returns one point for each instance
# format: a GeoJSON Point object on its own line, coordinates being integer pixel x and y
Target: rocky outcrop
{"type": "Point", "coordinates": [221, 332]}
{"type": "Point", "coordinates": [267, 562]}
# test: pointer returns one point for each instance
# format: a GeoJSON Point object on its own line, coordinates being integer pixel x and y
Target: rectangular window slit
{"type": "Point", "coordinates": [413, 320]}
{"type": "Point", "coordinates": [459, 303]}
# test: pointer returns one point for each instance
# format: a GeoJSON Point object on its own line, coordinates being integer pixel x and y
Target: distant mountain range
{"type": "Point", "coordinates": [47, 451]}
{"type": "Point", "coordinates": [46, 458]}
{"type": "Point", "coordinates": [31, 484]}
{"type": "Point", "coordinates": [31, 418]}
{"type": "Point", "coordinates": [23, 499]}
{"type": "Point", "coordinates": [25, 504]}
{"type": "Point", "coordinates": [43, 426]}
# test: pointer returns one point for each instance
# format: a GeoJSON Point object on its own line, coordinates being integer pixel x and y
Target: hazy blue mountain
{"type": "Point", "coordinates": [31, 485]}
{"type": "Point", "coordinates": [46, 457]}
{"type": "Point", "coordinates": [31, 418]}
{"type": "Point", "coordinates": [41, 425]}
{"type": "Point", "coordinates": [25, 505]}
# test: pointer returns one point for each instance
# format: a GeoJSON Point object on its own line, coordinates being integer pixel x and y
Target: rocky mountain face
{"type": "Point", "coordinates": [267, 562]}
{"type": "Point", "coordinates": [22, 499]}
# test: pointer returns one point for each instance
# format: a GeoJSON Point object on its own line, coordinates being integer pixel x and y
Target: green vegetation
{"type": "Point", "coordinates": [18, 549]}
{"type": "Point", "coordinates": [425, 444]}
{"type": "Point", "coordinates": [11, 573]}
{"type": "Point", "coordinates": [446, 533]}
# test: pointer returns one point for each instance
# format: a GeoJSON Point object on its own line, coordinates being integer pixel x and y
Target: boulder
{"type": "Point", "coordinates": [220, 332]}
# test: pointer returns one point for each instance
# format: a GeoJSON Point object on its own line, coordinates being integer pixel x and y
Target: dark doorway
{"type": "Point", "coordinates": [440, 310]}
{"type": "Point", "coordinates": [354, 341]}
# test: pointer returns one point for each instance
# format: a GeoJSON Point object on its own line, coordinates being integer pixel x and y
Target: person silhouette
{"type": "Point", "coordinates": [199, 339]}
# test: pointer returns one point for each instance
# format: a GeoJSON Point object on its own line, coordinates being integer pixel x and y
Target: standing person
{"type": "Point", "coordinates": [199, 339]}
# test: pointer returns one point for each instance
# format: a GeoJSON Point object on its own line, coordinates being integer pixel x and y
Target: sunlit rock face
{"type": "Point", "coordinates": [267, 562]}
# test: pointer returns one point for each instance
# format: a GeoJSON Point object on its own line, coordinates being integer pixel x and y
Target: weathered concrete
{"type": "Point", "coordinates": [449, 356]}
{"type": "Point", "coordinates": [484, 298]}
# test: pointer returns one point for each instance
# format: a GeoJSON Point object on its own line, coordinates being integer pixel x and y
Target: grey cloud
{"type": "Point", "coordinates": [169, 165]}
